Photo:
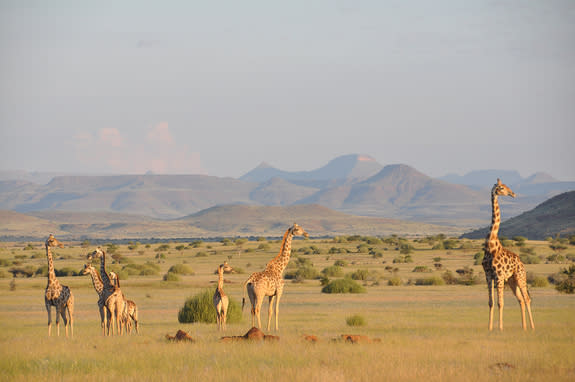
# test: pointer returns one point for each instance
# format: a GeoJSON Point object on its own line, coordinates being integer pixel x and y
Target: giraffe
{"type": "Point", "coordinates": [130, 313]}
{"type": "Point", "coordinates": [113, 297]}
{"type": "Point", "coordinates": [99, 288]}
{"type": "Point", "coordinates": [501, 265]}
{"type": "Point", "coordinates": [221, 301]}
{"type": "Point", "coordinates": [270, 282]}
{"type": "Point", "coordinates": [57, 295]}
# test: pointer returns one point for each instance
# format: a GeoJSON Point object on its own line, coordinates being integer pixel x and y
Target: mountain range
{"type": "Point", "coordinates": [352, 184]}
{"type": "Point", "coordinates": [555, 216]}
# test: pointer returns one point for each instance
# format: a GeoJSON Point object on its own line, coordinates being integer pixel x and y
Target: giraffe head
{"type": "Point", "coordinates": [501, 189]}
{"type": "Point", "coordinates": [53, 242]}
{"type": "Point", "coordinates": [87, 269]}
{"type": "Point", "coordinates": [98, 253]}
{"type": "Point", "coordinates": [298, 231]}
{"type": "Point", "coordinates": [221, 269]}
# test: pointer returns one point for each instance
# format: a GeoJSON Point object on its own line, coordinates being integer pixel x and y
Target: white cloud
{"type": "Point", "coordinates": [109, 151]}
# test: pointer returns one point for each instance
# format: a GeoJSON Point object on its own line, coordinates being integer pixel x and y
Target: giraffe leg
{"type": "Point", "coordinates": [70, 308]}
{"type": "Point", "coordinates": [64, 318]}
{"type": "Point", "coordinates": [135, 319]}
{"type": "Point", "coordinates": [57, 321]}
{"type": "Point", "coordinates": [102, 318]}
{"type": "Point", "coordinates": [522, 294]}
{"type": "Point", "coordinates": [108, 321]}
{"type": "Point", "coordinates": [49, 310]}
{"type": "Point", "coordinates": [258, 308]}
{"type": "Point", "coordinates": [491, 291]}
{"type": "Point", "coordinates": [224, 318]}
{"type": "Point", "coordinates": [270, 310]}
{"type": "Point", "coordinates": [517, 292]}
{"type": "Point", "coordinates": [500, 303]}
{"type": "Point", "coordinates": [279, 294]}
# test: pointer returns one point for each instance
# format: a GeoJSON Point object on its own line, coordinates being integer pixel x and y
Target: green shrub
{"type": "Point", "coordinates": [478, 257]}
{"type": "Point", "coordinates": [200, 308]}
{"type": "Point", "coordinates": [556, 258]}
{"type": "Point", "coordinates": [421, 269]}
{"type": "Point", "coordinates": [394, 281]}
{"type": "Point", "coordinates": [360, 274]}
{"type": "Point", "coordinates": [170, 276]}
{"type": "Point", "coordinates": [302, 273]}
{"type": "Point", "coordinates": [340, 263]}
{"type": "Point", "coordinates": [181, 269]}
{"type": "Point", "coordinates": [434, 280]}
{"type": "Point", "coordinates": [201, 254]}
{"type": "Point", "coordinates": [333, 271]}
{"type": "Point", "coordinates": [67, 271]}
{"type": "Point", "coordinates": [537, 281]}
{"type": "Point", "coordinates": [403, 259]}
{"type": "Point", "coordinates": [355, 320]}
{"type": "Point", "coordinates": [163, 248]}
{"type": "Point", "coordinates": [343, 286]}
{"type": "Point", "coordinates": [567, 285]}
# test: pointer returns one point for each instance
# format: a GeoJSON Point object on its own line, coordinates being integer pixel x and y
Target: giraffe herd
{"type": "Point", "coordinates": [119, 314]}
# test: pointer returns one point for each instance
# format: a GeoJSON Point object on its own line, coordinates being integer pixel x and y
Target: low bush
{"type": "Point", "coordinates": [333, 271]}
{"type": "Point", "coordinates": [355, 320]}
{"type": "Point", "coordinates": [394, 281]}
{"type": "Point", "coordinates": [181, 269]}
{"type": "Point", "coordinates": [343, 286]}
{"type": "Point", "coordinates": [200, 308]}
{"type": "Point", "coordinates": [170, 276]}
{"type": "Point", "coordinates": [302, 273]}
{"type": "Point", "coordinates": [360, 274]}
{"type": "Point", "coordinates": [421, 269]}
{"type": "Point", "coordinates": [567, 285]}
{"type": "Point", "coordinates": [434, 280]}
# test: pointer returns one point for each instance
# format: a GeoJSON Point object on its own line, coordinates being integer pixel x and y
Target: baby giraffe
{"type": "Point", "coordinates": [130, 312]}
{"type": "Point", "coordinates": [221, 301]}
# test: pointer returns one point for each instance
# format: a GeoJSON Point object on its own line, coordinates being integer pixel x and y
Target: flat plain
{"type": "Point", "coordinates": [437, 332]}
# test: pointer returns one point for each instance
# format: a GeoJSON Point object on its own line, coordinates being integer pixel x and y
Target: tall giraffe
{"type": "Point", "coordinates": [113, 297]}
{"type": "Point", "coordinates": [501, 265]}
{"type": "Point", "coordinates": [130, 313]}
{"type": "Point", "coordinates": [99, 288]}
{"type": "Point", "coordinates": [270, 282]}
{"type": "Point", "coordinates": [57, 295]}
{"type": "Point", "coordinates": [221, 301]}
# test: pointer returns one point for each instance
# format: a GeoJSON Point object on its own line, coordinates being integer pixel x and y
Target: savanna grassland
{"type": "Point", "coordinates": [425, 300]}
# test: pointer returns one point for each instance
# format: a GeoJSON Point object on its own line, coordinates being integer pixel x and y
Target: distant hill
{"type": "Point", "coordinates": [354, 184]}
{"type": "Point", "coordinates": [484, 178]}
{"type": "Point", "coordinates": [352, 166]}
{"type": "Point", "coordinates": [228, 220]}
{"type": "Point", "coordinates": [162, 196]}
{"type": "Point", "coordinates": [399, 191]}
{"type": "Point", "coordinates": [552, 217]}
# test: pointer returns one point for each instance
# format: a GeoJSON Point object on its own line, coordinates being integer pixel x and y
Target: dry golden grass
{"type": "Point", "coordinates": [436, 333]}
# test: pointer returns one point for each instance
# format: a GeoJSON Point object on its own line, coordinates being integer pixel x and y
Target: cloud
{"type": "Point", "coordinates": [111, 136]}
{"type": "Point", "coordinates": [160, 134]}
{"type": "Point", "coordinates": [157, 151]}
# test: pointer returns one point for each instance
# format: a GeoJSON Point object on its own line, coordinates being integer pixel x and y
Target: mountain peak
{"type": "Point", "coordinates": [351, 166]}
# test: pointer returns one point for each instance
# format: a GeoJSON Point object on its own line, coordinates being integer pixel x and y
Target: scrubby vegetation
{"type": "Point", "coordinates": [200, 308]}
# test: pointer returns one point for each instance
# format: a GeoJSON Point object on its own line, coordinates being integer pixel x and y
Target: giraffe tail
{"type": "Point", "coordinates": [245, 288]}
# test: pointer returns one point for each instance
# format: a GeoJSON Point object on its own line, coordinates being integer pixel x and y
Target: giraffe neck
{"type": "Point", "coordinates": [280, 262]}
{"type": "Point", "coordinates": [103, 274]}
{"type": "Point", "coordinates": [221, 284]}
{"type": "Point", "coordinates": [51, 273]}
{"type": "Point", "coordinates": [492, 243]}
{"type": "Point", "coordinates": [96, 281]}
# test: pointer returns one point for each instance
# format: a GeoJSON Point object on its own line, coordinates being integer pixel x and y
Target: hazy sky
{"type": "Point", "coordinates": [217, 87]}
